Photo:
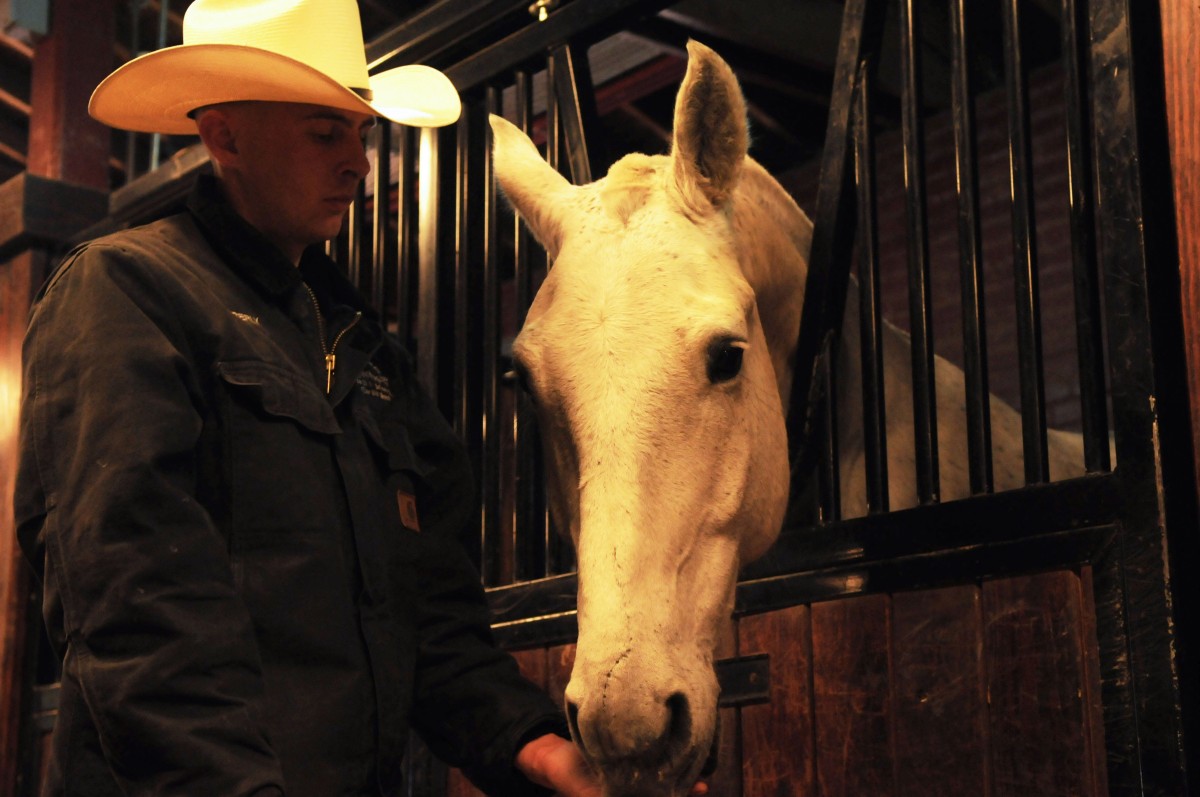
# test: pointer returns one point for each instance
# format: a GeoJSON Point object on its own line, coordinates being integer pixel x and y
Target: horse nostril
{"type": "Point", "coordinates": [573, 722]}
{"type": "Point", "coordinates": [679, 718]}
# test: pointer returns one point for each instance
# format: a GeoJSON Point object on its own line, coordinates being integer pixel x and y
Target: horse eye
{"type": "Point", "coordinates": [519, 375]}
{"type": "Point", "coordinates": [724, 360]}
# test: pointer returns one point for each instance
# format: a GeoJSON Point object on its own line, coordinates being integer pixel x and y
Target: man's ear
{"type": "Point", "coordinates": [217, 131]}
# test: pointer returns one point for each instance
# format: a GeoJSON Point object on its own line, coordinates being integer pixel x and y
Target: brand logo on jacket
{"type": "Point", "coordinates": [372, 382]}
{"type": "Point", "coordinates": [408, 510]}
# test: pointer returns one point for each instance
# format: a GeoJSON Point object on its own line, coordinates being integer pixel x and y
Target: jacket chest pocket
{"type": "Point", "coordinates": [400, 469]}
{"type": "Point", "coordinates": [280, 465]}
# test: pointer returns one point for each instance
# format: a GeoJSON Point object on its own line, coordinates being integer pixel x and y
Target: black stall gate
{"type": "Point", "coordinates": [1014, 642]}
{"type": "Point", "coordinates": [1017, 642]}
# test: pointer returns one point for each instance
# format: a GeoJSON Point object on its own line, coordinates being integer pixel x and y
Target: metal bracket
{"type": "Point", "coordinates": [745, 681]}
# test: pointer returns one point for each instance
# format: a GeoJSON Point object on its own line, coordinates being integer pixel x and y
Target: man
{"type": "Point", "coordinates": [243, 507]}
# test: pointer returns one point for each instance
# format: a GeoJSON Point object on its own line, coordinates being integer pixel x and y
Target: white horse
{"type": "Point", "coordinates": [658, 352]}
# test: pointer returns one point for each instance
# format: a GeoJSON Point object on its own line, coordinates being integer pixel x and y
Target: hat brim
{"type": "Point", "coordinates": [156, 92]}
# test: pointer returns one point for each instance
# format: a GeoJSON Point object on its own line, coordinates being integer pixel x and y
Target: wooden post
{"type": "Point", "coordinates": [1181, 54]}
{"type": "Point", "coordinates": [68, 146]}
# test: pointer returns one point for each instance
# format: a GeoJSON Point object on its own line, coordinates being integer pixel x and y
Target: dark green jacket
{"type": "Point", "coordinates": [255, 587]}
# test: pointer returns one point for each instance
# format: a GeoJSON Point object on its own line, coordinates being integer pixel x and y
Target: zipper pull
{"type": "Point", "coordinates": [330, 363]}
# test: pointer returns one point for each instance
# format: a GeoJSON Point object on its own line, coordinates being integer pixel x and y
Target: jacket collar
{"type": "Point", "coordinates": [245, 249]}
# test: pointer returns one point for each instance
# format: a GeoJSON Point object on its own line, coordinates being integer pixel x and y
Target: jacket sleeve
{"type": "Point", "coordinates": [139, 590]}
{"type": "Point", "coordinates": [472, 706]}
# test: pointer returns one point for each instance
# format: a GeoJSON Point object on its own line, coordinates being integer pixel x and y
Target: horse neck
{"type": "Point", "coordinates": [773, 236]}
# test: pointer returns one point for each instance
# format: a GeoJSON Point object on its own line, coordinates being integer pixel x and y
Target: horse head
{"type": "Point", "coordinates": [656, 353]}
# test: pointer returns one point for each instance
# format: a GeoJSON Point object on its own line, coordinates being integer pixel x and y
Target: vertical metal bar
{"type": "Point", "coordinates": [869, 314]}
{"type": "Point", "coordinates": [466, 347]}
{"type": "Point", "coordinates": [970, 250]}
{"type": "Point", "coordinates": [494, 557]}
{"type": "Point", "coordinates": [427, 263]}
{"type": "Point", "coordinates": [553, 117]}
{"type": "Point", "coordinates": [828, 478]}
{"type": "Point", "coordinates": [550, 543]}
{"type": "Point", "coordinates": [566, 90]}
{"type": "Point", "coordinates": [920, 317]}
{"type": "Point", "coordinates": [833, 234]}
{"type": "Point", "coordinates": [405, 296]}
{"type": "Point", "coordinates": [528, 546]}
{"type": "Point", "coordinates": [1088, 326]}
{"type": "Point", "coordinates": [460, 401]}
{"type": "Point", "coordinates": [382, 135]}
{"type": "Point", "coordinates": [1025, 272]}
{"type": "Point", "coordinates": [354, 233]}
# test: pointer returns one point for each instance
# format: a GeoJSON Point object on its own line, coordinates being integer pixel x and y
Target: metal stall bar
{"type": "Point", "coordinates": [919, 303]}
{"type": "Point", "coordinates": [833, 234]}
{"type": "Point", "coordinates": [354, 232]}
{"type": "Point", "coordinates": [564, 124]}
{"type": "Point", "coordinates": [1088, 308]}
{"type": "Point", "coordinates": [434, 29]}
{"type": "Point", "coordinates": [869, 313]}
{"type": "Point", "coordinates": [461, 417]}
{"type": "Point", "coordinates": [497, 552]}
{"type": "Point", "coordinates": [572, 79]}
{"type": "Point", "coordinates": [529, 552]}
{"type": "Point", "coordinates": [428, 315]}
{"type": "Point", "coordinates": [382, 186]}
{"type": "Point", "coordinates": [1025, 270]}
{"type": "Point", "coordinates": [829, 488]}
{"type": "Point", "coordinates": [563, 25]}
{"type": "Point", "coordinates": [405, 293]}
{"type": "Point", "coordinates": [462, 348]}
{"type": "Point", "coordinates": [541, 521]}
{"type": "Point", "coordinates": [966, 163]}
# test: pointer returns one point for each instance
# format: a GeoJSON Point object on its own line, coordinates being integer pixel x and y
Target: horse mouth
{"type": "Point", "coordinates": [665, 766]}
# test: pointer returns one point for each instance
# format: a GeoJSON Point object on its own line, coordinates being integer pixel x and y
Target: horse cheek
{"type": "Point", "coordinates": [768, 475]}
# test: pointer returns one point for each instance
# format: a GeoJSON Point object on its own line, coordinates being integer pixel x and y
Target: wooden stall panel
{"type": "Point", "coordinates": [938, 697]}
{"type": "Point", "coordinates": [777, 737]}
{"type": "Point", "coordinates": [1036, 680]}
{"type": "Point", "coordinates": [851, 701]}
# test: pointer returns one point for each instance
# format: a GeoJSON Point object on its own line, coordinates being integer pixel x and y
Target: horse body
{"type": "Point", "coordinates": [658, 352]}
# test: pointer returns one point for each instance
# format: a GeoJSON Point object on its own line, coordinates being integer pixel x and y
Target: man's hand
{"type": "Point", "coordinates": [556, 763]}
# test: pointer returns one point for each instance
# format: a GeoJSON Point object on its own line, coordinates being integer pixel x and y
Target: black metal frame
{"type": "Point", "coordinates": [1114, 521]}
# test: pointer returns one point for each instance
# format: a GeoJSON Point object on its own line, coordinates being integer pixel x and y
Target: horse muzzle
{"type": "Point", "coordinates": [646, 726]}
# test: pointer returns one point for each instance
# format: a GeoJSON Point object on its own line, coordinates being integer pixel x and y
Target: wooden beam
{"type": "Point", "coordinates": [1181, 38]}
{"type": "Point", "coordinates": [36, 211]}
{"type": "Point", "coordinates": [64, 142]}
{"type": "Point", "coordinates": [68, 147]}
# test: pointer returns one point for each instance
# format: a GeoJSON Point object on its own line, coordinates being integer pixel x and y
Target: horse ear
{"type": "Point", "coordinates": [711, 136]}
{"type": "Point", "coordinates": [534, 189]}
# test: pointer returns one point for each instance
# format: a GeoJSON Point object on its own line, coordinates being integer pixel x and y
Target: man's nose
{"type": "Point", "coordinates": [358, 162]}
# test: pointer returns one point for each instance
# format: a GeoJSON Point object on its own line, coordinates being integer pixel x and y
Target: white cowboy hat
{"type": "Point", "coordinates": [308, 51]}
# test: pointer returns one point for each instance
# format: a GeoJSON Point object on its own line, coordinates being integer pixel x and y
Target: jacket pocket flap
{"type": "Point", "coordinates": [282, 393]}
{"type": "Point", "coordinates": [393, 443]}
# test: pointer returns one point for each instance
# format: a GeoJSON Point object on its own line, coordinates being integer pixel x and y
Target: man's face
{"type": "Point", "coordinates": [298, 167]}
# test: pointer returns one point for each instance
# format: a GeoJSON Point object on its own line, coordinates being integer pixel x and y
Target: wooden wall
{"type": "Point", "coordinates": [70, 149]}
{"type": "Point", "coordinates": [985, 689]}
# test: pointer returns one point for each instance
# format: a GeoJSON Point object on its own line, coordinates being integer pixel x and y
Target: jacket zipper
{"type": "Point", "coordinates": [330, 351]}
